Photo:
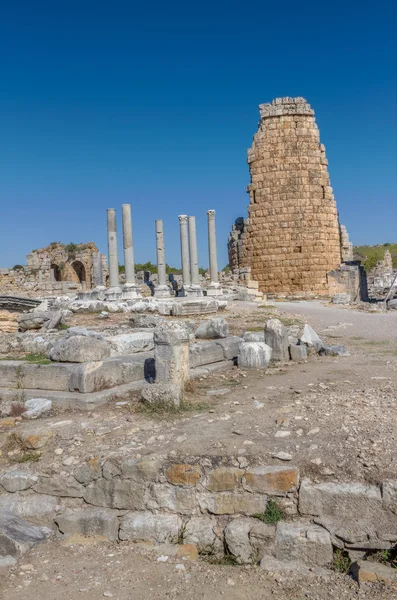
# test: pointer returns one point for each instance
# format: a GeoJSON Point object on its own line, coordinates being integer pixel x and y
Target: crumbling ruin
{"type": "Point", "coordinates": [292, 237]}
{"type": "Point", "coordinates": [56, 269]}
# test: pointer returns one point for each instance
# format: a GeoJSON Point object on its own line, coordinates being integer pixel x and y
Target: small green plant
{"type": "Point", "coordinates": [63, 327]}
{"type": "Point", "coordinates": [71, 248]}
{"type": "Point", "coordinates": [37, 359]}
{"type": "Point", "coordinates": [52, 244]}
{"type": "Point", "coordinates": [341, 561]}
{"type": "Point", "coordinates": [273, 513]}
{"type": "Point", "coordinates": [18, 268]}
{"type": "Point", "coordinates": [29, 457]}
{"type": "Point", "coordinates": [386, 557]}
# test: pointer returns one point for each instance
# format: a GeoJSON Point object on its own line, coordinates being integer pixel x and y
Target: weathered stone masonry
{"type": "Point", "coordinates": [291, 239]}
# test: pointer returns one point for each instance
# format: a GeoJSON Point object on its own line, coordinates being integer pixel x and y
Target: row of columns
{"type": "Point", "coordinates": [189, 255]}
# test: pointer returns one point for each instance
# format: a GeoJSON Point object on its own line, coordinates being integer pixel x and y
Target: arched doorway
{"type": "Point", "coordinates": [79, 269]}
{"type": "Point", "coordinates": [55, 273]}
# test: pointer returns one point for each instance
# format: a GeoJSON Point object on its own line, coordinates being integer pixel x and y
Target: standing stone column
{"type": "Point", "coordinates": [114, 291]}
{"type": "Point", "coordinates": [130, 289]}
{"type": "Point", "coordinates": [161, 290]}
{"type": "Point", "coordinates": [194, 266]}
{"type": "Point", "coordinates": [184, 256]}
{"type": "Point", "coordinates": [213, 289]}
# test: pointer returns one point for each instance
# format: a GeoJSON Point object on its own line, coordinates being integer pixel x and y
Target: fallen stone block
{"type": "Point", "coordinates": [276, 336]}
{"type": "Point", "coordinates": [78, 349]}
{"type": "Point", "coordinates": [342, 500]}
{"type": "Point", "coordinates": [130, 343]}
{"type": "Point", "coordinates": [248, 539]}
{"type": "Point", "coordinates": [36, 407]}
{"type": "Point", "coordinates": [186, 308]}
{"type": "Point", "coordinates": [254, 336]}
{"type": "Point", "coordinates": [89, 521]}
{"type": "Point", "coordinates": [392, 304]}
{"type": "Point", "coordinates": [144, 321]}
{"type": "Point", "coordinates": [39, 320]}
{"type": "Point", "coordinates": [212, 329]}
{"type": "Point", "coordinates": [365, 571]}
{"type": "Point", "coordinates": [205, 353]}
{"type": "Point", "coordinates": [17, 536]}
{"type": "Point", "coordinates": [230, 346]}
{"type": "Point", "coordinates": [309, 544]}
{"type": "Point", "coordinates": [146, 527]}
{"type": "Point", "coordinates": [341, 299]}
{"type": "Point", "coordinates": [333, 351]}
{"type": "Point", "coordinates": [254, 355]}
{"type": "Point", "coordinates": [310, 338]}
{"type": "Point", "coordinates": [298, 353]}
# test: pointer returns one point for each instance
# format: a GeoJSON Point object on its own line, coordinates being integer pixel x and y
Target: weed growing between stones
{"type": "Point", "coordinates": [341, 562]}
{"type": "Point", "coordinates": [37, 359]}
{"type": "Point", "coordinates": [29, 457]}
{"type": "Point", "coordinates": [63, 326]}
{"type": "Point", "coordinates": [272, 514]}
{"type": "Point", "coordinates": [385, 557]}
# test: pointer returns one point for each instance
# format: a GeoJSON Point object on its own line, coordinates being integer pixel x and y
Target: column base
{"type": "Point", "coordinates": [214, 289]}
{"type": "Point", "coordinates": [162, 291]}
{"type": "Point", "coordinates": [130, 291]}
{"type": "Point", "coordinates": [194, 290]}
{"type": "Point", "coordinates": [113, 294]}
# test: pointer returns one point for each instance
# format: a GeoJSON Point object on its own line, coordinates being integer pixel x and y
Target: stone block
{"type": "Point", "coordinates": [143, 321]}
{"type": "Point", "coordinates": [47, 377]}
{"type": "Point", "coordinates": [162, 394]}
{"type": "Point", "coordinates": [79, 348]}
{"type": "Point", "coordinates": [230, 346]}
{"type": "Point", "coordinates": [200, 531]}
{"type": "Point", "coordinates": [188, 308]}
{"type": "Point", "coordinates": [365, 571]}
{"type": "Point", "coordinates": [333, 351]}
{"type": "Point", "coordinates": [139, 469]}
{"type": "Point", "coordinates": [272, 480]}
{"type": "Point", "coordinates": [276, 336]}
{"type": "Point", "coordinates": [146, 527]}
{"type": "Point", "coordinates": [88, 471]}
{"type": "Point", "coordinates": [204, 354]}
{"type": "Point", "coordinates": [389, 494]}
{"type": "Point", "coordinates": [17, 536]}
{"type": "Point", "coordinates": [36, 407]}
{"type": "Point", "coordinates": [298, 353]}
{"type": "Point", "coordinates": [212, 329]}
{"type": "Point", "coordinates": [35, 439]}
{"type": "Point", "coordinates": [10, 373]}
{"type": "Point", "coordinates": [35, 508]}
{"type": "Point", "coordinates": [254, 336]}
{"type": "Point", "coordinates": [58, 485]}
{"type": "Point", "coordinates": [237, 540]}
{"type": "Point", "coordinates": [231, 503]}
{"type": "Point", "coordinates": [173, 498]}
{"type": "Point", "coordinates": [183, 474]}
{"type": "Point", "coordinates": [223, 479]}
{"type": "Point", "coordinates": [16, 480]}
{"type": "Point", "coordinates": [309, 544]}
{"type": "Point", "coordinates": [117, 493]}
{"type": "Point", "coordinates": [130, 343]}
{"type": "Point", "coordinates": [254, 355]}
{"type": "Point", "coordinates": [112, 372]}
{"type": "Point", "coordinates": [342, 500]}
{"type": "Point", "coordinates": [310, 338]}
{"type": "Point", "coordinates": [90, 522]}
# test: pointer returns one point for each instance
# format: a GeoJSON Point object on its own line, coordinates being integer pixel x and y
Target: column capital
{"type": "Point", "coordinates": [182, 218]}
{"type": "Point", "coordinates": [211, 213]}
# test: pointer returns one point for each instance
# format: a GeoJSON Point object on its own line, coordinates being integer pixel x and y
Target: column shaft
{"type": "Point", "coordinates": [112, 246]}
{"type": "Point", "coordinates": [184, 251]}
{"type": "Point", "coordinates": [194, 266]}
{"type": "Point", "coordinates": [127, 244]}
{"type": "Point", "coordinates": [212, 248]}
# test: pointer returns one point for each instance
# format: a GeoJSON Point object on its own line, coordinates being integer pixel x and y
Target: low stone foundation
{"type": "Point", "coordinates": [219, 504]}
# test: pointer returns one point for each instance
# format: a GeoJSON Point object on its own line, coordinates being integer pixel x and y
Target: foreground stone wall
{"type": "Point", "coordinates": [291, 239]}
{"type": "Point", "coordinates": [213, 502]}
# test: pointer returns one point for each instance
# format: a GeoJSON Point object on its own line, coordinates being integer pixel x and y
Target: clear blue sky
{"type": "Point", "coordinates": [155, 102]}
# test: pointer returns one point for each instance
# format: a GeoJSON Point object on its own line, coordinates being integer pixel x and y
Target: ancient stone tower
{"type": "Point", "coordinates": [291, 239]}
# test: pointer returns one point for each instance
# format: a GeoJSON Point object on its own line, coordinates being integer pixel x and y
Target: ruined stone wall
{"type": "Point", "coordinates": [380, 278]}
{"type": "Point", "coordinates": [56, 269]}
{"type": "Point", "coordinates": [291, 238]}
{"type": "Point", "coordinates": [346, 245]}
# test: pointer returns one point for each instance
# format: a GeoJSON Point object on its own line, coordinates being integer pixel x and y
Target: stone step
{"type": "Point", "coordinates": [69, 400]}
